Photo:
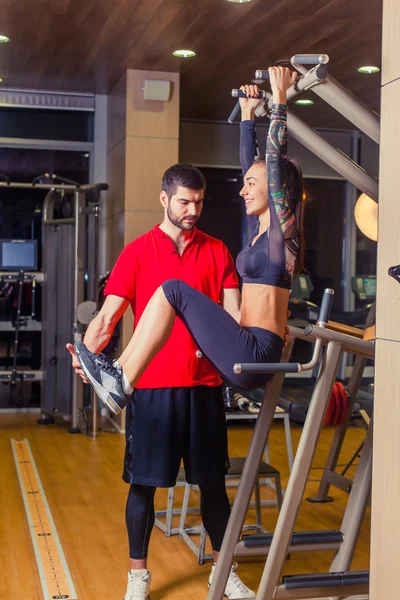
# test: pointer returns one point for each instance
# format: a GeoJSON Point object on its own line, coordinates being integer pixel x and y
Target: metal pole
{"type": "Point", "coordinates": [246, 484]}
{"type": "Point", "coordinates": [79, 274]}
{"type": "Point", "coordinates": [351, 592]}
{"type": "Point", "coordinates": [347, 104]}
{"type": "Point", "coordinates": [349, 244]}
{"type": "Point", "coordinates": [349, 247]}
{"type": "Point", "coordinates": [310, 79]}
{"type": "Point", "coordinates": [299, 475]}
{"type": "Point", "coordinates": [356, 505]}
{"type": "Point", "coordinates": [340, 432]}
{"type": "Point", "coordinates": [350, 344]}
{"type": "Point", "coordinates": [94, 217]}
{"type": "Point", "coordinates": [337, 160]}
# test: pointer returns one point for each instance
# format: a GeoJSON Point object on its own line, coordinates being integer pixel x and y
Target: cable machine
{"type": "Point", "coordinates": [68, 278]}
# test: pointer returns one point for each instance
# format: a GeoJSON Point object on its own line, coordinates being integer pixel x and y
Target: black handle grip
{"type": "Point", "coordinates": [322, 71]}
{"type": "Point", "coordinates": [266, 368]}
{"type": "Point", "coordinates": [234, 113]}
{"type": "Point", "coordinates": [102, 187]}
{"type": "Point", "coordinates": [326, 307]}
{"type": "Point", "coordinates": [239, 94]}
{"type": "Point", "coordinates": [261, 74]}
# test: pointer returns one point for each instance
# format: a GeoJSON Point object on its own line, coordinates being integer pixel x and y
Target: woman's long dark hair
{"type": "Point", "coordinates": [295, 196]}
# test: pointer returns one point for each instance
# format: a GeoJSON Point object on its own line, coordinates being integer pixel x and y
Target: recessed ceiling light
{"type": "Point", "coordinates": [369, 70]}
{"type": "Point", "coordinates": [4, 38]}
{"type": "Point", "coordinates": [304, 102]}
{"type": "Point", "coordinates": [184, 53]}
{"type": "Point", "coordinates": [239, 1]}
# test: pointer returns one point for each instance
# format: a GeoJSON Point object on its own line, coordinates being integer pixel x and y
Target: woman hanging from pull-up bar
{"type": "Point", "coordinates": [273, 196]}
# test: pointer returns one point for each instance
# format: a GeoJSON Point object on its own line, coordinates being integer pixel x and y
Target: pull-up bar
{"type": "Point", "coordinates": [343, 101]}
{"type": "Point", "coordinates": [336, 95]}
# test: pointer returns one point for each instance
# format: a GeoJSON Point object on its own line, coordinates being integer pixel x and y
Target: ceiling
{"type": "Point", "coordinates": [86, 45]}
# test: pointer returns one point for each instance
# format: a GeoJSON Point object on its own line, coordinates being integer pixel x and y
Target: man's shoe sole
{"type": "Point", "coordinates": [99, 389]}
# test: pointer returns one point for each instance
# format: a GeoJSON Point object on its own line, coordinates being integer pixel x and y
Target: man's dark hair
{"type": "Point", "coordinates": [182, 174]}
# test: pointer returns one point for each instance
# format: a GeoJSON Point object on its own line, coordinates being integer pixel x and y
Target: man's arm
{"type": "Point", "coordinates": [100, 330]}
{"type": "Point", "coordinates": [230, 300]}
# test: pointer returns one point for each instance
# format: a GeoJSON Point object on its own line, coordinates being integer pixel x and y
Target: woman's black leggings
{"type": "Point", "coordinates": [220, 338]}
{"type": "Point", "coordinates": [215, 510]}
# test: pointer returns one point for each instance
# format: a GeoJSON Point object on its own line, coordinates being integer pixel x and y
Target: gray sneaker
{"type": "Point", "coordinates": [104, 377]}
{"type": "Point", "coordinates": [138, 585]}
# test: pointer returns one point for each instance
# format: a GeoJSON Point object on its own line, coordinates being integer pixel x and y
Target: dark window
{"type": "Point", "coordinates": [21, 209]}
{"type": "Point", "coordinates": [222, 214]}
{"type": "Point", "coordinates": [324, 230]}
{"type": "Point", "coordinates": [366, 255]}
{"type": "Point", "coordinates": [22, 164]}
{"type": "Point", "coordinates": [72, 126]}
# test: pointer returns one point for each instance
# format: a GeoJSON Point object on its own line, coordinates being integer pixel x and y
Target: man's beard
{"type": "Point", "coordinates": [181, 223]}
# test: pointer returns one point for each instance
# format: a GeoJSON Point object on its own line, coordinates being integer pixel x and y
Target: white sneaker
{"type": "Point", "coordinates": [138, 585]}
{"type": "Point", "coordinates": [235, 588]}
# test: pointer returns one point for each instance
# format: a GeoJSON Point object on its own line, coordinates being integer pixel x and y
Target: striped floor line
{"type": "Point", "coordinates": [53, 569]}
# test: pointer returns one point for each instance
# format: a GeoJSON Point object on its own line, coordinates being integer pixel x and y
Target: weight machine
{"type": "Point", "coordinates": [329, 346]}
{"type": "Point", "coordinates": [69, 280]}
{"type": "Point", "coordinates": [340, 582]}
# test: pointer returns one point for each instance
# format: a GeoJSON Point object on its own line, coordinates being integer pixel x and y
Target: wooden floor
{"type": "Point", "coordinates": [82, 481]}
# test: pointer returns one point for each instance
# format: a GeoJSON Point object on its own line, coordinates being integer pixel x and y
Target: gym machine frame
{"type": "Point", "coordinates": [326, 87]}
{"type": "Point", "coordinates": [330, 476]}
{"type": "Point", "coordinates": [339, 582]}
{"type": "Point", "coordinates": [330, 90]}
{"type": "Point", "coordinates": [76, 246]}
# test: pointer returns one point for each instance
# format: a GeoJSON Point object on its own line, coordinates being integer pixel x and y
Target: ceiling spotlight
{"type": "Point", "coordinates": [1, 79]}
{"type": "Point", "coordinates": [239, 1]}
{"type": "Point", "coordinates": [184, 53]}
{"type": "Point", "coordinates": [304, 102]}
{"type": "Point", "coordinates": [4, 38]}
{"type": "Point", "coordinates": [369, 70]}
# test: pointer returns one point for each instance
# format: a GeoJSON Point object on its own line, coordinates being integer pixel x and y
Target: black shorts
{"type": "Point", "coordinates": [166, 425]}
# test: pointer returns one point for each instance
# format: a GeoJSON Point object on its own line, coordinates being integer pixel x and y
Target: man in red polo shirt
{"type": "Point", "coordinates": [177, 411]}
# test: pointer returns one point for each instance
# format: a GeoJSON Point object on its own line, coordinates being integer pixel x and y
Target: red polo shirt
{"type": "Point", "coordinates": [142, 267]}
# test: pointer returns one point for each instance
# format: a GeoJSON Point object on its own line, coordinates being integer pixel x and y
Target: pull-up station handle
{"type": "Point", "coordinates": [323, 318]}
{"type": "Point", "coordinates": [310, 59]}
{"type": "Point", "coordinates": [260, 74]}
{"type": "Point", "coordinates": [240, 94]}
{"type": "Point", "coordinates": [306, 80]}
{"type": "Point", "coordinates": [326, 307]}
{"type": "Point", "coordinates": [236, 110]}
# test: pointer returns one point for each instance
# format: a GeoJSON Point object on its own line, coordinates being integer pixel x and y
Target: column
{"type": "Point", "coordinates": [386, 467]}
{"type": "Point", "coordinates": [142, 142]}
